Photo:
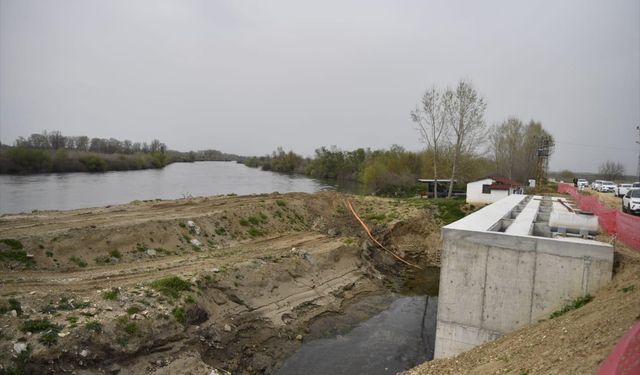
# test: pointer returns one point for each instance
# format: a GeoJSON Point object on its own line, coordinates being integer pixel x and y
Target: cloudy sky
{"type": "Point", "coordinates": [248, 76]}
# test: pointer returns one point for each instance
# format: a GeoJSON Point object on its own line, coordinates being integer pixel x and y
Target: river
{"type": "Point", "coordinates": [64, 191]}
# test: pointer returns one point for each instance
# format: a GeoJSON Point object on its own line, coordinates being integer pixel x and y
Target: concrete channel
{"type": "Point", "coordinates": [505, 266]}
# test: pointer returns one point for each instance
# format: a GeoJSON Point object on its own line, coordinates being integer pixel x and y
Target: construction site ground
{"type": "Point", "coordinates": [253, 274]}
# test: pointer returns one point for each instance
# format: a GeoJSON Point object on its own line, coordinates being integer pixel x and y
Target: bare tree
{"type": "Point", "coordinates": [610, 170]}
{"type": "Point", "coordinates": [465, 114]}
{"type": "Point", "coordinates": [506, 141]}
{"type": "Point", "coordinates": [431, 123]}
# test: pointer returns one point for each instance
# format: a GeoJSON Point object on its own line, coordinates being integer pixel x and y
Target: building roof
{"type": "Point", "coordinates": [501, 183]}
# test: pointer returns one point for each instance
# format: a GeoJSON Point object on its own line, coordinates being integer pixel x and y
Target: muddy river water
{"type": "Point", "coordinates": [380, 335]}
{"type": "Point", "coordinates": [64, 191]}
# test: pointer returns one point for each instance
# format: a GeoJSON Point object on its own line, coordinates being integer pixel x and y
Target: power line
{"type": "Point", "coordinates": [595, 146]}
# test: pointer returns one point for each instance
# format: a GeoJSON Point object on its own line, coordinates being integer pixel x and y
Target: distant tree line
{"type": "Point", "coordinates": [53, 152]}
{"type": "Point", "coordinates": [392, 171]}
{"type": "Point", "coordinates": [54, 140]}
{"type": "Point", "coordinates": [459, 146]}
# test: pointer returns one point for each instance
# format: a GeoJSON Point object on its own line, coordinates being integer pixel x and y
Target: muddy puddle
{"type": "Point", "coordinates": [381, 334]}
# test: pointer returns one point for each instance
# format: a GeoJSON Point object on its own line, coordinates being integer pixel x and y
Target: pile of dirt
{"type": "Point", "coordinates": [191, 285]}
{"type": "Point", "coordinates": [574, 343]}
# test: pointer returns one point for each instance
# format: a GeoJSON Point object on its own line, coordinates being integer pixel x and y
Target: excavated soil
{"type": "Point", "coordinates": [254, 273]}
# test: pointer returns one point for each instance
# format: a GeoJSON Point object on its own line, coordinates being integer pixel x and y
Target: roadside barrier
{"type": "Point", "coordinates": [624, 359]}
{"type": "Point", "coordinates": [624, 226]}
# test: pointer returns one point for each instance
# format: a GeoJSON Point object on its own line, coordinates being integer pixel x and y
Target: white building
{"type": "Point", "coordinates": [491, 189]}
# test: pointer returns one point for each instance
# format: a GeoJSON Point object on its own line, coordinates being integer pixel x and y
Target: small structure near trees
{"type": "Point", "coordinates": [491, 189]}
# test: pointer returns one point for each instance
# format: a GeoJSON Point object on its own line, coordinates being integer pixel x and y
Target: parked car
{"type": "Point", "coordinates": [595, 185]}
{"type": "Point", "coordinates": [636, 184]}
{"type": "Point", "coordinates": [623, 189]}
{"type": "Point", "coordinates": [582, 183]}
{"type": "Point", "coordinates": [631, 201]}
{"type": "Point", "coordinates": [608, 187]}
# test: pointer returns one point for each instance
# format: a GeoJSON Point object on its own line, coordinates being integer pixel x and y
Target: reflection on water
{"type": "Point", "coordinates": [61, 191]}
{"type": "Point", "coordinates": [397, 339]}
{"type": "Point", "coordinates": [382, 334]}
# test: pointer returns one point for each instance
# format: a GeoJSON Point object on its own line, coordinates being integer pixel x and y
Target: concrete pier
{"type": "Point", "coordinates": [497, 276]}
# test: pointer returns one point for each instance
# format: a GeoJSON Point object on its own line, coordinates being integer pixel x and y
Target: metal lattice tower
{"type": "Point", "coordinates": [545, 148]}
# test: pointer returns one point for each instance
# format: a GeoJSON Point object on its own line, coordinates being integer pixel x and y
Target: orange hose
{"type": "Point", "coordinates": [366, 229]}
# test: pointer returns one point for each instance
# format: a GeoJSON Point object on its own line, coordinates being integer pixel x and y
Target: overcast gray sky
{"type": "Point", "coordinates": [247, 76]}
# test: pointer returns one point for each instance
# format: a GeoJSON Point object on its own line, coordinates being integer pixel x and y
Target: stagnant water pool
{"type": "Point", "coordinates": [397, 338]}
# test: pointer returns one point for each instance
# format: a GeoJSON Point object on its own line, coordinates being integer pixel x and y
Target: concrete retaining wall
{"type": "Point", "coordinates": [492, 283]}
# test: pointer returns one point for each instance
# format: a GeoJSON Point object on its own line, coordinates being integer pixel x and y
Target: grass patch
{"type": "Point", "coordinates": [281, 203]}
{"type": "Point", "coordinates": [575, 304]}
{"type": "Point", "coordinates": [220, 231]}
{"type": "Point", "coordinates": [629, 288]}
{"type": "Point", "coordinates": [115, 254]}
{"type": "Point", "coordinates": [12, 304]}
{"type": "Point", "coordinates": [12, 243]}
{"type": "Point", "coordinates": [244, 223]}
{"type": "Point", "coordinates": [49, 330]}
{"type": "Point", "coordinates": [94, 326]}
{"type": "Point", "coordinates": [189, 299]}
{"type": "Point", "coordinates": [255, 232]}
{"type": "Point", "coordinates": [111, 295]}
{"type": "Point", "coordinates": [376, 217]}
{"type": "Point", "coordinates": [131, 328]}
{"type": "Point", "coordinates": [14, 252]}
{"type": "Point", "coordinates": [179, 314]}
{"type": "Point", "coordinates": [37, 325]}
{"type": "Point", "coordinates": [102, 259]}
{"type": "Point", "coordinates": [447, 210]}
{"type": "Point", "coordinates": [171, 286]}
{"type": "Point", "coordinates": [133, 310]}
{"type": "Point", "coordinates": [78, 261]}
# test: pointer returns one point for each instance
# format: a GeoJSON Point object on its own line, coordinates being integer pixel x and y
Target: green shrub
{"type": "Point", "coordinates": [244, 223]}
{"type": "Point", "coordinates": [115, 254]}
{"type": "Point", "coordinates": [179, 314]}
{"type": "Point", "coordinates": [93, 163]}
{"type": "Point", "coordinates": [111, 295]}
{"type": "Point", "coordinates": [12, 243]}
{"type": "Point", "coordinates": [575, 304]}
{"type": "Point", "coordinates": [131, 328]}
{"type": "Point", "coordinates": [37, 325]}
{"type": "Point", "coordinates": [13, 304]}
{"type": "Point", "coordinates": [78, 261]}
{"type": "Point", "coordinates": [220, 231]}
{"type": "Point", "coordinates": [255, 232]}
{"type": "Point", "coordinates": [281, 203]}
{"type": "Point", "coordinates": [133, 310]}
{"type": "Point", "coordinates": [171, 286]}
{"type": "Point", "coordinates": [94, 326]}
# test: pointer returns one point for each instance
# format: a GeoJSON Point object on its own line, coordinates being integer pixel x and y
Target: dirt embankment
{"type": "Point", "coordinates": [187, 286]}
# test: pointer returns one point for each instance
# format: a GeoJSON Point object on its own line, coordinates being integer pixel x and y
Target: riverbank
{"type": "Point", "coordinates": [194, 284]}
{"type": "Point", "coordinates": [21, 161]}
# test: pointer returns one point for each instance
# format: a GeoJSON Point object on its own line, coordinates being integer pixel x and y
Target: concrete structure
{"type": "Point", "coordinates": [503, 267]}
{"type": "Point", "coordinates": [491, 189]}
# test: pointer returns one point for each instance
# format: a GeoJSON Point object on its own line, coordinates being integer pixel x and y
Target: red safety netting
{"type": "Point", "coordinates": [624, 226]}
{"type": "Point", "coordinates": [624, 358]}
